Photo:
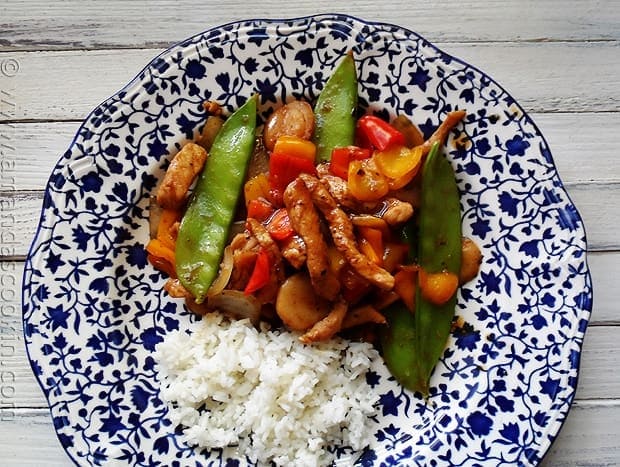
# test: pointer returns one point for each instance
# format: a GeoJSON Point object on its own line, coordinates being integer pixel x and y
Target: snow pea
{"type": "Point", "coordinates": [334, 111]}
{"type": "Point", "coordinates": [210, 212]}
{"type": "Point", "coordinates": [413, 343]}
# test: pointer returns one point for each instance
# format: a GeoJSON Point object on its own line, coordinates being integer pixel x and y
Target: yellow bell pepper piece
{"type": "Point", "coordinates": [295, 146]}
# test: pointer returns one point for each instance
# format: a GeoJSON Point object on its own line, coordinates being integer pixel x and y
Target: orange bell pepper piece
{"type": "Point", "coordinates": [438, 287]}
{"type": "Point", "coordinates": [404, 286]}
{"type": "Point", "coordinates": [162, 256]}
{"type": "Point", "coordinates": [260, 209]}
{"type": "Point", "coordinates": [256, 187]}
{"type": "Point", "coordinates": [371, 244]}
{"type": "Point", "coordinates": [165, 232]}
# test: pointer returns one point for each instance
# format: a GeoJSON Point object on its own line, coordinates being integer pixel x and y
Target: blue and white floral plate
{"type": "Point", "coordinates": [94, 308]}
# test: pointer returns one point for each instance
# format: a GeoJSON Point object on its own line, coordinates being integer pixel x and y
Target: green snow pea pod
{"type": "Point", "coordinates": [209, 215]}
{"type": "Point", "coordinates": [334, 111]}
{"type": "Point", "coordinates": [413, 343]}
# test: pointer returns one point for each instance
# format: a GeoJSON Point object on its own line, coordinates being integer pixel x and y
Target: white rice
{"type": "Point", "coordinates": [276, 399]}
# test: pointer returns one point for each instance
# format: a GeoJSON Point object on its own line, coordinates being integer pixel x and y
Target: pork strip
{"type": "Point", "coordinates": [245, 248]}
{"type": "Point", "coordinates": [294, 251]}
{"type": "Point", "coordinates": [441, 133]}
{"type": "Point", "coordinates": [180, 175]}
{"type": "Point", "coordinates": [341, 230]}
{"type": "Point", "coordinates": [305, 221]}
{"type": "Point", "coordinates": [393, 210]}
{"type": "Point", "coordinates": [328, 326]}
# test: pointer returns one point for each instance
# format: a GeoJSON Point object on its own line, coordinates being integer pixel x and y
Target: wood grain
{"type": "Point", "coordinates": [605, 270]}
{"type": "Point", "coordinates": [596, 381]}
{"type": "Point", "coordinates": [599, 207]}
{"type": "Point", "coordinates": [37, 25]}
{"type": "Point", "coordinates": [77, 81]}
{"type": "Point", "coordinates": [28, 438]}
{"type": "Point", "coordinates": [589, 437]}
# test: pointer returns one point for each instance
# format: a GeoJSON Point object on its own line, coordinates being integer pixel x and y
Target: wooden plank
{"type": "Point", "coordinates": [19, 386]}
{"type": "Point", "coordinates": [76, 82]}
{"type": "Point", "coordinates": [19, 218]}
{"type": "Point", "coordinates": [589, 437]}
{"type": "Point", "coordinates": [599, 206]}
{"type": "Point", "coordinates": [560, 77]}
{"type": "Point", "coordinates": [583, 147]}
{"type": "Point", "coordinates": [605, 270]}
{"type": "Point", "coordinates": [598, 375]}
{"type": "Point", "coordinates": [551, 77]}
{"type": "Point", "coordinates": [28, 438]}
{"type": "Point", "coordinates": [74, 24]}
{"type": "Point", "coordinates": [32, 149]}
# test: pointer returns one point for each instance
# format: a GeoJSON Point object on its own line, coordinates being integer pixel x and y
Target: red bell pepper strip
{"type": "Point", "coordinates": [279, 225]}
{"type": "Point", "coordinates": [260, 273]}
{"type": "Point", "coordinates": [260, 209]}
{"type": "Point", "coordinates": [283, 169]}
{"type": "Point", "coordinates": [379, 133]}
{"type": "Point", "coordinates": [342, 156]}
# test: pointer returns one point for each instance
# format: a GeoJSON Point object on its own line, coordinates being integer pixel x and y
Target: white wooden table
{"type": "Point", "coordinates": [559, 59]}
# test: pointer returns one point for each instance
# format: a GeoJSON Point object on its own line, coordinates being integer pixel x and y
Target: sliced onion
{"type": "Point", "coordinates": [237, 305]}
{"type": "Point", "coordinates": [226, 267]}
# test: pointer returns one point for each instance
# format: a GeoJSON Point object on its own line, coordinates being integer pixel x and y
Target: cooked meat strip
{"type": "Point", "coordinates": [322, 169]}
{"type": "Point", "coordinates": [175, 289]}
{"type": "Point", "coordinates": [339, 190]}
{"type": "Point", "coordinates": [212, 108]}
{"type": "Point", "coordinates": [180, 175]}
{"type": "Point", "coordinates": [393, 210]}
{"type": "Point", "coordinates": [341, 230]}
{"type": "Point", "coordinates": [294, 251]}
{"type": "Point", "coordinates": [306, 222]}
{"type": "Point", "coordinates": [264, 239]}
{"type": "Point", "coordinates": [362, 315]}
{"type": "Point", "coordinates": [245, 248]}
{"type": "Point", "coordinates": [441, 133]}
{"type": "Point", "coordinates": [328, 326]}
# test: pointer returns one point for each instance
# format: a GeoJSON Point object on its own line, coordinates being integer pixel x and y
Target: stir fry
{"type": "Point", "coordinates": [319, 221]}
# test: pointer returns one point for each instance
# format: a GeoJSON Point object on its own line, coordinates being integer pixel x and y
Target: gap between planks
{"type": "Point", "coordinates": [74, 24]}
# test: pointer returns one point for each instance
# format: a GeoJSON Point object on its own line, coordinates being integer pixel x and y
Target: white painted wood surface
{"type": "Point", "coordinates": [559, 59]}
